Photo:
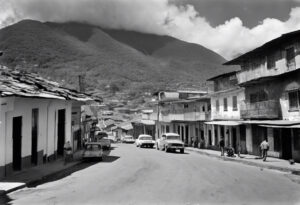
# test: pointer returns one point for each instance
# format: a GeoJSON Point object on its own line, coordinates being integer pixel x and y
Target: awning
{"type": "Point", "coordinates": [272, 122]}
{"type": "Point", "coordinates": [283, 126]}
{"type": "Point", "coordinates": [148, 122]}
{"type": "Point", "coordinates": [226, 123]}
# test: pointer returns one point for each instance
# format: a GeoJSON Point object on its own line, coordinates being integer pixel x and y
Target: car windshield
{"type": "Point", "coordinates": [93, 147]}
{"type": "Point", "coordinates": [145, 138]}
{"type": "Point", "coordinates": [173, 137]}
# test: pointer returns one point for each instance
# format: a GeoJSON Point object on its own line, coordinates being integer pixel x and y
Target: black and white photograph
{"type": "Point", "coordinates": [149, 102]}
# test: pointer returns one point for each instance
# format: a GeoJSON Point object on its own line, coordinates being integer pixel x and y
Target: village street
{"type": "Point", "coordinates": [131, 175]}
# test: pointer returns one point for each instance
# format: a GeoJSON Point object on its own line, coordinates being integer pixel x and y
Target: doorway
{"type": "Point", "coordinates": [243, 139]}
{"type": "Point", "coordinates": [17, 143]}
{"type": "Point", "coordinates": [182, 133]}
{"type": "Point", "coordinates": [286, 144]}
{"type": "Point", "coordinates": [61, 131]}
{"type": "Point", "coordinates": [34, 136]}
{"type": "Point", "coordinates": [186, 134]}
{"type": "Point", "coordinates": [234, 139]}
{"type": "Point", "coordinates": [258, 135]}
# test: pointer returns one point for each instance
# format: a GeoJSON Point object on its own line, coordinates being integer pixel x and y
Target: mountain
{"type": "Point", "coordinates": [119, 64]}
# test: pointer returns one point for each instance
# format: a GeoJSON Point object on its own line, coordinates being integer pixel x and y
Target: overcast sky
{"type": "Point", "coordinates": [229, 27]}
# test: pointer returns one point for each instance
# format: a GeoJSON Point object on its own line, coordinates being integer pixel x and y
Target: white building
{"type": "Point", "coordinates": [35, 119]}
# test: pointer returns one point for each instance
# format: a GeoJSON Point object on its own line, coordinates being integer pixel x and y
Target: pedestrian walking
{"type": "Point", "coordinates": [68, 152]}
{"type": "Point", "coordinates": [264, 146]}
{"type": "Point", "coordinates": [222, 146]}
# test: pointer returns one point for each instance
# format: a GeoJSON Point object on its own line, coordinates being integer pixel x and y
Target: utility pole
{"type": "Point", "coordinates": [81, 83]}
{"type": "Point", "coordinates": [158, 112]}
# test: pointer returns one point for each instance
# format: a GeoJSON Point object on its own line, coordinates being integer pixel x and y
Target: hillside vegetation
{"type": "Point", "coordinates": [116, 64]}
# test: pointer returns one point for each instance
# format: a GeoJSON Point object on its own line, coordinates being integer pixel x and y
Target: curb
{"type": "Point", "coordinates": [238, 160]}
{"type": "Point", "coordinates": [36, 181]}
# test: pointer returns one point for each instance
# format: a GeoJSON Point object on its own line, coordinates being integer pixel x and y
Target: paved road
{"type": "Point", "coordinates": [133, 175]}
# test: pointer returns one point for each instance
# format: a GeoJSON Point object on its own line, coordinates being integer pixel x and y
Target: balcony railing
{"type": "Point", "coordinates": [189, 116]}
{"type": "Point", "coordinates": [266, 109]}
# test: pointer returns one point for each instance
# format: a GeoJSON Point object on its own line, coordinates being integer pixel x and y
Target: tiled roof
{"type": "Point", "coordinates": [24, 84]}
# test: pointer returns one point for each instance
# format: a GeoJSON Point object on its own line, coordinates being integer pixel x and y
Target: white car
{"type": "Point", "coordinates": [170, 142]}
{"type": "Point", "coordinates": [128, 139]}
{"type": "Point", "coordinates": [92, 150]}
{"type": "Point", "coordinates": [144, 141]}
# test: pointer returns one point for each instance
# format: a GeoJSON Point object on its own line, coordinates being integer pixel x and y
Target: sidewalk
{"type": "Point", "coordinates": [32, 175]}
{"type": "Point", "coordinates": [271, 163]}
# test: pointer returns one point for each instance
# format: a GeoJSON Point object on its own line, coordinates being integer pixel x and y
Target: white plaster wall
{"type": "Point", "coordinates": [230, 114]}
{"type": "Point", "coordinates": [47, 124]}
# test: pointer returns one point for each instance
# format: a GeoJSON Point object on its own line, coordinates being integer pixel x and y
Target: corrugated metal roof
{"type": "Point", "coordinates": [24, 84]}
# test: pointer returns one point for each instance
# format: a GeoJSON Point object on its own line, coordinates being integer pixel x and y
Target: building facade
{"type": "Point", "coordinates": [183, 113]}
{"type": "Point", "coordinates": [225, 113]}
{"type": "Point", "coordinates": [270, 76]}
{"type": "Point", "coordinates": [35, 120]}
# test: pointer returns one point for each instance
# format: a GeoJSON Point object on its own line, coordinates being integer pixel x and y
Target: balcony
{"type": "Point", "coordinates": [266, 109]}
{"type": "Point", "coordinates": [189, 116]}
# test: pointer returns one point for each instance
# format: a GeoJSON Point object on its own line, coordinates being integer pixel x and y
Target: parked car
{"type": "Point", "coordinates": [105, 142]}
{"type": "Point", "coordinates": [145, 141]}
{"type": "Point", "coordinates": [92, 150]}
{"type": "Point", "coordinates": [112, 138]}
{"type": "Point", "coordinates": [128, 139]}
{"type": "Point", "coordinates": [170, 142]}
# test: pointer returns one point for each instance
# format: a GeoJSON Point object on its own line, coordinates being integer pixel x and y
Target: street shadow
{"type": "Point", "coordinates": [4, 199]}
{"type": "Point", "coordinates": [109, 159]}
{"type": "Point", "coordinates": [63, 173]}
{"type": "Point", "coordinates": [179, 153]}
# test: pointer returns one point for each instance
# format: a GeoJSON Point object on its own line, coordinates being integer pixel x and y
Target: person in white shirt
{"type": "Point", "coordinates": [264, 146]}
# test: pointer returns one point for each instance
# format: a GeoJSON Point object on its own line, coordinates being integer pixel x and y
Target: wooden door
{"type": "Point", "coordinates": [17, 143]}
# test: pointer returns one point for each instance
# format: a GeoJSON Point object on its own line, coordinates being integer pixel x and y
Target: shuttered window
{"type": "Point", "coordinates": [225, 104]}
{"type": "Point", "coordinates": [234, 103]}
{"type": "Point", "coordinates": [293, 100]}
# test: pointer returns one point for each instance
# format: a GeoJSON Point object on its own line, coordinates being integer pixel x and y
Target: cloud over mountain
{"type": "Point", "coordinates": [153, 16]}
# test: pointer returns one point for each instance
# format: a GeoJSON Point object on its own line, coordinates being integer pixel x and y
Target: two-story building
{"type": "Point", "coordinates": [35, 119]}
{"type": "Point", "coordinates": [182, 112]}
{"type": "Point", "coordinates": [226, 123]}
{"type": "Point", "coordinates": [270, 75]}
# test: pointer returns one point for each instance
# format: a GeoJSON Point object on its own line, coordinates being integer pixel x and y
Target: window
{"type": "Point", "coordinates": [217, 105]}
{"type": "Point", "coordinates": [186, 105]}
{"type": "Point", "coordinates": [234, 103]}
{"type": "Point", "coordinates": [290, 55]}
{"type": "Point", "coordinates": [293, 100]}
{"type": "Point", "coordinates": [271, 61]}
{"type": "Point", "coordinates": [225, 104]}
{"type": "Point", "coordinates": [258, 96]}
{"type": "Point", "coordinates": [167, 128]}
{"type": "Point", "coordinates": [203, 108]}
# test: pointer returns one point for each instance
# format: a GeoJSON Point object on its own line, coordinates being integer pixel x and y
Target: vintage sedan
{"type": "Point", "coordinates": [170, 142]}
{"type": "Point", "coordinates": [92, 150]}
{"type": "Point", "coordinates": [105, 143]}
{"type": "Point", "coordinates": [128, 139]}
{"type": "Point", "coordinates": [144, 141]}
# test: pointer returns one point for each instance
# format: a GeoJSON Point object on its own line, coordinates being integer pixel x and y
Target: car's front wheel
{"type": "Point", "coordinates": [182, 151]}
